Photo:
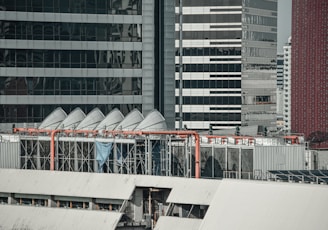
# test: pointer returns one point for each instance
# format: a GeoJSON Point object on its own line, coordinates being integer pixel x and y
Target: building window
{"type": "Point", "coordinates": [263, 100]}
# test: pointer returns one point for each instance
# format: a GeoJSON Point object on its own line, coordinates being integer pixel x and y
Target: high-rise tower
{"type": "Point", "coordinates": [86, 53]}
{"type": "Point", "coordinates": [309, 87]}
{"type": "Point", "coordinates": [229, 63]}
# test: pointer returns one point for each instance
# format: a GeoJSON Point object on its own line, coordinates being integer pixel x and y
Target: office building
{"type": "Point", "coordinates": [309, 89]}
{"type": "Point", "coordinates": [229, 63]}
{"type": "Point", "coordinates": [280, 71]}
{"type": "Point", "coordinates": [86, 53]}
{"type": "Point", "coordinates": [280, 91]}
{"type": "Point", "coordinates": [287, 86]}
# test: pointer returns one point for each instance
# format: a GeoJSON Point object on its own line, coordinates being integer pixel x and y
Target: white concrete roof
{"type": "Point", "coordinates": [171, 223]}
{"type": "Point", "coordinates": [154, 121]}
{"type": "Point", "coordinates": [194, 192]}
{"type": "Point", "coordinates": [92, 185]}
{"type": "Point", "coordinates": [256, 205]}
{"type": "Point", "coordinates": [184, 190]}
{"type": "Point", "coordinates": [101, 185]}
{"type": "Point", "coordinates": [91, 121]}
{"type": "Point", "coordinates": [130, 121]}
{"type": "Point", "coordinates": [111, 120]}
{"type": "Point", "coordinates": [72, 120]}
{"type": "Point", "coordinates": [53, 120]}
{"type": "Point", "coordinates": [233, 204]}
{"type": "Point", "coordinates": [26, 217]}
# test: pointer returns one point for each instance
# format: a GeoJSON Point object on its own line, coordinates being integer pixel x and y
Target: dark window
{"type": "Point", "coordinates": [210, 3]}
{"type": "Point", "coordinates": [71, 58]}
{"type": "Point", "coordinates": [71, 86]}
{"type": "Point", "coordinates": [210, 67]}
{"type": "Point", "coordinates": [37, 113]}
{"type": "Point", "coordinates": [210, 35]}
{"type": "Point", "coordinates": [211, 51]}
{"type": "Point", "coordinates": [209, 18]}
{"type": "Point", "coordinates": [72, 31]}
{"type": "Point", "coordinates": [211, 116]}
{"type": "Point", "coordinates": [124, 7]}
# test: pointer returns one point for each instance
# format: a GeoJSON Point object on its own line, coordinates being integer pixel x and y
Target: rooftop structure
{"type": "Point", "coordinates": [135, 144]}
{"type": "Point", "coordinates": [114, 201]}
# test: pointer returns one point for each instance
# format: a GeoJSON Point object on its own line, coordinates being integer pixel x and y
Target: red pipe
{"type": "Point", "coordinates": [171, 132]}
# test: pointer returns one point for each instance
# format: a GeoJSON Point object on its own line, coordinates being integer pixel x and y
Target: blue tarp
{"type": "Point", "coordinates": [103, 152]}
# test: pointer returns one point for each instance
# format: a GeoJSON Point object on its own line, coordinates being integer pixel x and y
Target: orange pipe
{"type": "Point", "coordinates": [171, 132]}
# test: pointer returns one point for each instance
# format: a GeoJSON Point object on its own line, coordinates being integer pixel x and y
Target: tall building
{"type": "Point", "coordinates": [86, 53]}
{"type": "Point", "coordinates": [280, 71]}
{"type": "Point", "coordinates": [309, 88]}
{"type": "Point", "coordinates": [287, 86]}
{"type": "Point", "coordinates": [280, 91]}
{"type": "Point", "coordinates": [229, 63]}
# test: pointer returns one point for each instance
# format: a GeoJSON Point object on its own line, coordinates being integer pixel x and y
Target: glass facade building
{"type": "Point", "coordinates": [228, 63]}
{"type": "Point", "coordinates": [87, 53]}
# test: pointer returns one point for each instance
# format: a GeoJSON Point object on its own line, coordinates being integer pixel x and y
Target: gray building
{"type": "Point", "coordinates": [229, 63]}
{"type": "Point", "coordinates": [85, 53]}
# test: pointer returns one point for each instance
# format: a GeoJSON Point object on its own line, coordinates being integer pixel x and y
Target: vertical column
{"type": "Point", "coordinates": [38, 160]}
{"type": "Point", "coordinates": [150, 157]}
{"type": "Point", "coordinates": [11, 199]}
{"type": "Point", "coordinates": [148, 55]}
{"type": "Point", "coordinates": [51, 202]}
{"type": "Point", "coordinates": [239, 166]}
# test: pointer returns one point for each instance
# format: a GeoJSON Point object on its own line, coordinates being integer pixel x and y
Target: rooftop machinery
{"type": "Point", "coordinates": [142, 145]}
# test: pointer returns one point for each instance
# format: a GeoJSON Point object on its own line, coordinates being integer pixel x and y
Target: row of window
{"type": "Point", "coordinates": [260, 20]}
{"type": "Point", "coordinates": [124, 7]}
{"type": "Point", "coordinates": [211, 116]}
{"type": "Point", "coordinates": [201, 35]}
{"type": "Point", "coordinates": [61, 203]}
{"type": "Point", "coordinates": [225, 108]}
{"type": "Point", "coordinates": [210, 68]}
{"type": "Point", "coordinates": [260, 36]}
{"type": "Point", "coordinates": [210, 51]}
{"type": "Point", "coordinates": [209, 3]}
{"type": "Point", "coordinates": [209, 18]}
{"type": "Point", "coordinates": [259, 66]}
{"type": "Point", "coordinates": [70, 86]}
{"type": "Point", "coordinates": [260, 4]}
{"type": "Point", "coordinates": [229, 76]}
{"type": "Point", "coordinates": [71, 31]}
{"type": "Point", "coordinates": [70, 58]}
{"type": "Point", "coordinates": [233, 100]}
{"type": "Point", "coordinates": [36, 113]}
{"type": "Point", "coordinates": [200, 84]}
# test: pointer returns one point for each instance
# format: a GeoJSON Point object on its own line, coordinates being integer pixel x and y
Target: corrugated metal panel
{"type": "Point", "coordinates": [279, 158]}
{"type": "Point", "coordinates": [25, 217]}
{"type": "Point", "coordinates": [170, 222]}
{"type": "Point", "coordinates": [10, 155]}
{"type": "Point", "coordinates": [256, 205]}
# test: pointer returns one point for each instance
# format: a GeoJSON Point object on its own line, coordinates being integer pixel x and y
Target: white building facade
{"type": "Point", "coordinates": [228, 64]}
{"type": "Point", "coordinates": [287, 85]}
